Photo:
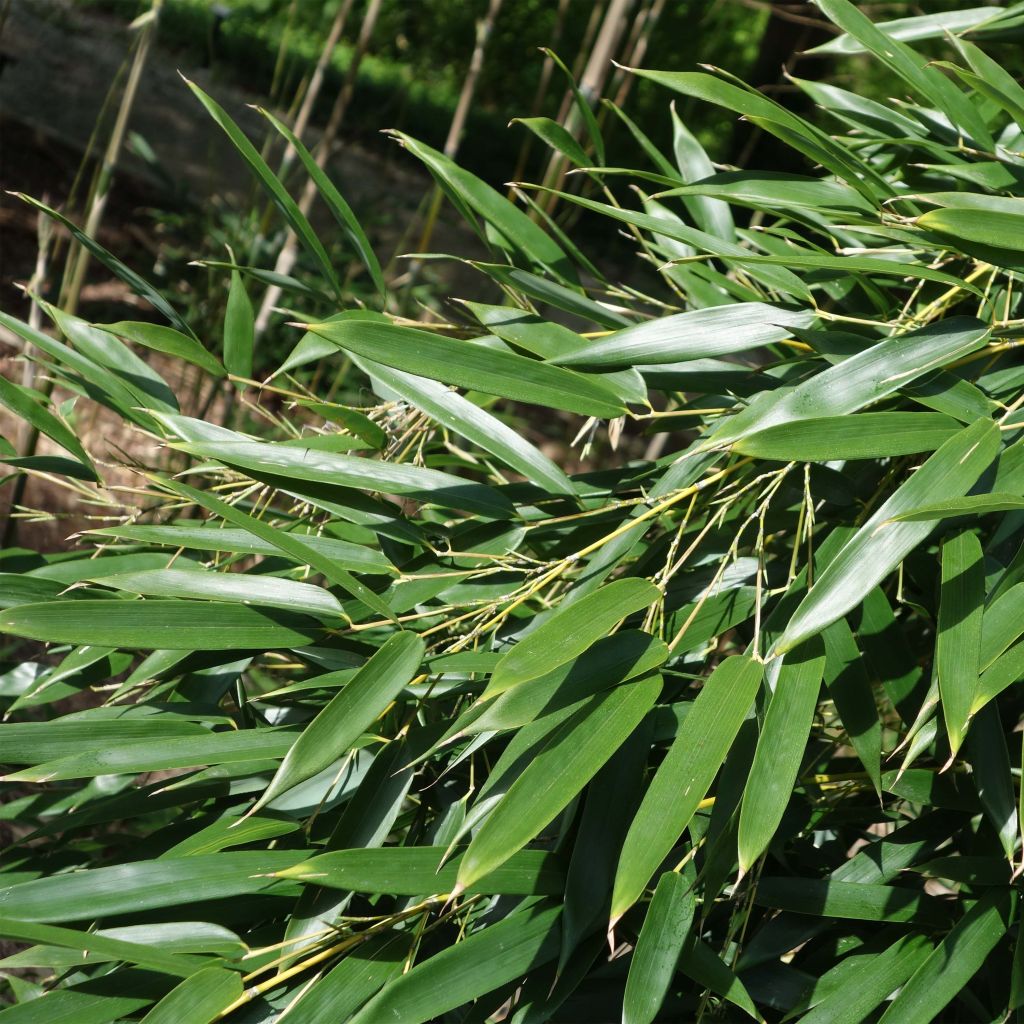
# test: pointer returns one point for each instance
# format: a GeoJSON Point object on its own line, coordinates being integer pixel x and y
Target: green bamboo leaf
{"type": "Point", "coordinates": [297, 464]}
{"type": "Point", "coordinates": [567, 763]}
{"type": "Point", "coordinates": [912, 67]}
{"type": "Point", "coordinates": [780, 749]}
{"type": "Point", "coordinates": [137, 284]}
{"type": "Point", "coordinates": [997, 231]}
{"type": "Point", "coordinates": [198, 999]}
{"type": "Point", "coordinates": [290, 544]}
{"type": "Point", "coordinates": [869, 435]}
{"type": "Point", "coordinates": [699, 334]}
{"type": "Point", "coordinates": [624, 655]}
{"type": "Point", "coordinates": [860, 380]}
{"type": "Point", "coordinates": [410, 871]}
{"type": "Point", "coordinates": [213, 748]}
{"type": "Point", "coordinates": [470, 365]}
{"type": "Point", "coordinates": [158, 624]}
{"type": "Point", "coordinates": [112, 948]}
{"type": "Point", "coordinates": [146, 885]}
{"type": "Point", "coordinates": [879, 546]}
{"type": "Point", "coordinates": [35, 742]}
{"type": "Point", "coordinates": [239, 337]}
{"type": "Point", "coordinates": [1003, 672]}
{"type": "Point", "coordinates": [244, 588]}
{"type": "Point", "coordinates": [348, 714]}
{"type": "Point", "coordinates": [661, 940]}
{"type": "Point", "coordinates": [355, 979]}
{"type": "Point", "coordinates": [106, 385]}
{"type": "Point", "coordinates": [22, 404]}
{"type": "Point", "coordinates": [694, 164]}
{"type": "Point", "coordinates": [685, 775]}
{"type": "Point", "coordinates": [485, 961]}
{"type": "Point", "coordinates": [571, 631]}
{"type": "Point", "coordinates": [990, 764]}
{"type": "Point", "coordinates": [970, 505]}
{"type": "Point", "coordinates": [954, 961]}
{"type": "Point", "coordinates": [862, 990]}
{"type": "Point", "coordinates": [556, 137]}
{"type": "Point", "coordinates": [167, 340]}
{"type": "Point", "coordinates": [850, 900]}
{"type": "Point", "coordinates": [701, 963]}
{"type": "Point", "coordinates": [515, 229]}
{"type": "Point", "coordinates": [1002, 624]}
{"type": "Point", "coordinates": [958, 633]}
{"type": "Point", "coordinates": [924, 26]}
{"type": "Point", "coordinates": [277, 192]}
{"type": "Point", "coordinates": [340, 209]}
{"type": "Point", "coordinates": [464, 417]}
{"type": "Point", "coordinates": [196, 537]}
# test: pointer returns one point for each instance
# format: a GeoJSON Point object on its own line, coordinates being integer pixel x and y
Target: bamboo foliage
{"type": "Point", "coordinates": [387, 708]}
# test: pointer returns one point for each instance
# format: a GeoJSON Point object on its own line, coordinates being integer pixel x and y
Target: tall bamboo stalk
{"type": "Point", "coordinates": [536, 107]}
{"type": "Point", "coordinates": [484, 27]}
{"type": "Point", "coordinates": [74, 274]}
{"type": "Point", "coordinates": [316, 81]}
{"type": "Point", "coordinates": [73, 281]}
{"type": "Point", "coordinates": [289, 250]}
{"type": "Point", "coordinates": [591, 85]}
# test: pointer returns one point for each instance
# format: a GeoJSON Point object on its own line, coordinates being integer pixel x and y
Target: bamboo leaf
{"type": "Point", "coordinates": [684, 777]}
{"type": "Point", "coordinates": [198, 999]}
{"type": "Point", "coordinates": [239, 337]}
{"type": "Point", "coordinates": [878, 547]}
{"type": "Point", "coordinates": [661, 940]}
{"type": "Point", "coordinates": [571, 632]}
{"type": "Point", "coordinates": [469, 365]}
{"type": "Point", "coordinates": [958, 639]}
{"type": "Point", "coordinates": [277, 192]}
{"type": "Point", "coordinates": [780, 749]}
{"type": "Point", "coordinates": [163, 625]}
{"type": "Point", "coordinates": [348, 714]}
{"type": "Point", "coordinates": [471, 968]}
{"type": "Point", "coordinates": [936, 982]}
{"type": "Point", "coordinates": [567, 763]}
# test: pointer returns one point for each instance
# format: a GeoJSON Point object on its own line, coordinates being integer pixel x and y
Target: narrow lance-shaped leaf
{"type": "Point", "coordinates": [335, 202]}
{"type": "Point", "coordinates": [21, 403]}
{"type": "Point", "coordinates": [483, 962]}
{"type": "Point", "coordinates": [684, 777]}
{"type": "Point", "coordinates": [167, 340]}
{"type": "Point", "coordinates": [565, 765]}
{"type": "Point", "coordinates": [665, 929]}
{"type": "Point", "coordinates": [571, 631]}
{"type": "Point", "coordinates": [411, 871]}
{"type": "Point", "coordinates": [296, 464]}
{"type": "Point", "coordinates": [958, 636]}
{"type": "Point", "coordinates": [780, 749]}
{"type": "Point", "coordinates": [244, 588]}
{"type": "Point", "coordinates": [860, 380]}
{"type": "Point", "coordinates": [880, 545]}
{"type": "Point", "coordinates": [954, 961]}
{"type": "Point", "coordinates": [348, 714]}
{"type": "Point", "coordinates": [291, 545]}
{"type": "Point", "coordinates": [469, 365]}
{"type": "Point", "coordinates": [278, 193]}
{"type": "Point", "coordinates": [463, 416]}
{"type": "Point", "coordinates": [698, 334]}
{"type": "Point", "coordinates": [238, 329]}
{"type": "Point", "coordinates": [161, 625]}
{"type": "Point", "coordinates": [869, 435]}
{"type": "Point", "coordinates": [198, 999]}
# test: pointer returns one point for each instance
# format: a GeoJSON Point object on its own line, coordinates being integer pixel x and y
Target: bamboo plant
{"type": "Point", "coordinates": [391, 706]}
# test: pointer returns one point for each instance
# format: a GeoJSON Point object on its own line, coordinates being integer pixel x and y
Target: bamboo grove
{"type": "Point", "coordinates": [359, 705]}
